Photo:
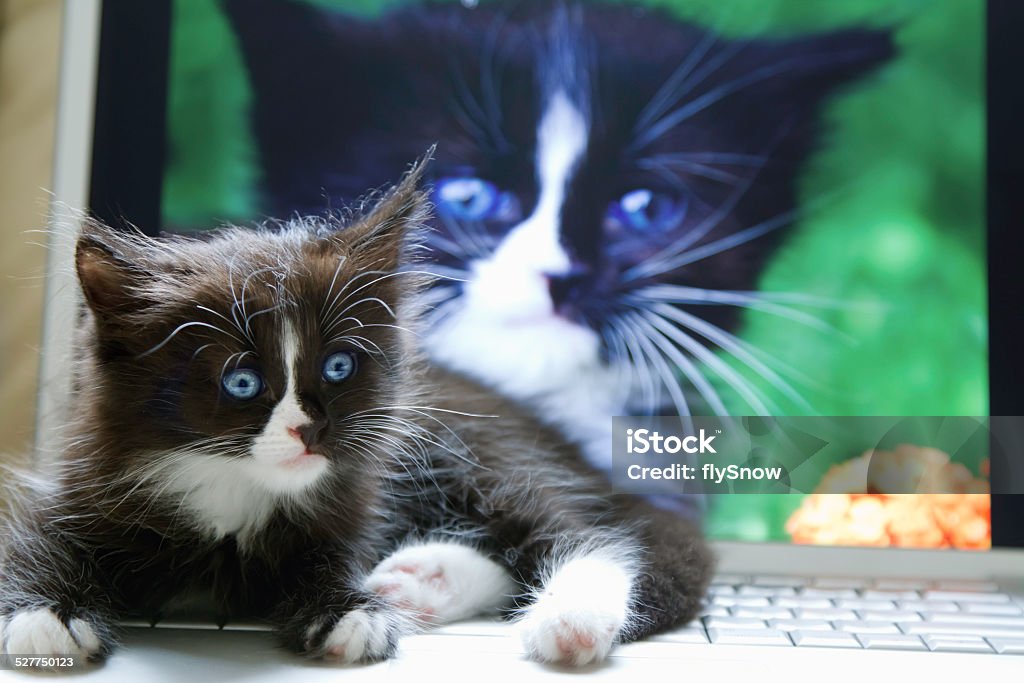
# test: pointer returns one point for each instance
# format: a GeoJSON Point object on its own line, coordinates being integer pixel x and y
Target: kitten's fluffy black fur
{"type": "Point", "coordinates": [116, 533]}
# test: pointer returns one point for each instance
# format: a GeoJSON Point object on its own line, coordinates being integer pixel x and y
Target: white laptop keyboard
{"type": "Point", "coordinates": [788, 611]}
{"type": "Point", "coordinates": [941, 616]}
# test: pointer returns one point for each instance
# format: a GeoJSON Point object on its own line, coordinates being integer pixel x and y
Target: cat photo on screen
{"type": "Point", "coordinates": [610, 182]}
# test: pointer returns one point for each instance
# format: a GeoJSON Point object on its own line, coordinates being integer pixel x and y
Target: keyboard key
{"type": "Point", "coordinates": [972, 586]}
{"type": "Point", "coordinates": [800, 624]}
{"type": "Point", "coordinates": [963, 596]}
{"type": "Point", "coordinates": [867, 627]}
{"type": "Point", "coordinates": [956, 644]}
{"type": "Point", "coordinates": [761, 612]}
{"type": "Point", "coordinates": [824, 639]}
{"type": "Point", "coordinates": [890, 642]}
{"type": "Point", "coordinates": [930, 627]}
{"type": "Point", "coordinates": [1017, 622]}
{"type": "Point", "coordinates": [839, 582]}
{"type": "Point", "coordinates": [1007, 646]}
{"type": "Point", "coordinates": [831, 594]}
{"type": "Point", "coordinates": [738, 601]}
{"type": "Point", "coordinates": [764, 591]}
{"type": "Point", "coordinates": [900, 585]}
{"type": "Point", "coordinates": [724, 623]}
{"type": "Point", "coordinates": [890, 595]}
{"type": "Point", "coordinates": [791, 581]}
{"type": "Point", "coordinates": [1006, 610]}
{"type": "Point", "coordinates": [748, 637]}
{"type": "Point", "coordinates": [923, 606]}
{"type": "Point", "coordinates": [715, 611]}
{"type": "Point", "coordinates": [809, 603]}
{"type": "Point", "coordinates": [721, 590]}
{"type": "Point", "coordinates": [826, 614]}
{"type": "Point", "coordinates": [875, 605]}
{"type": "Point", "coordinates": [887, 615]}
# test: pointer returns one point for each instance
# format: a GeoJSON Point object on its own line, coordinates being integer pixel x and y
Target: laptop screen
{"type": "Point", "coordinates": [680, 208]}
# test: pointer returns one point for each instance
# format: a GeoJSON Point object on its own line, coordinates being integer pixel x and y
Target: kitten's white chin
{"type": "Point", "coordinates": [288, 474]}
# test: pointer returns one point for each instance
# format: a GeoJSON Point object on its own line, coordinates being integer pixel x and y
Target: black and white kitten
{"type": "Point", "coordinates": [610, 182]}
{"type": "Point", "coordinates": [255, 428]}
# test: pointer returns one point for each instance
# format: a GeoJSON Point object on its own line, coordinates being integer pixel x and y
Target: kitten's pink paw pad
{"type": "Point", "coordinates": [576, 639]}
{"type": "Point", "coordinates": [579, 616]}
{"type": "Point", "coordinates": [422, 589]}
{"type": "Point", "coordinates": [416, 579]}
{"type": "Point", "coordinates": [441, 582]}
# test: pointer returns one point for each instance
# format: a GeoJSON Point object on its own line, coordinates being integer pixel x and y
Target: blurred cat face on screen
{"type": "Point", "coordinates": [609, 182]}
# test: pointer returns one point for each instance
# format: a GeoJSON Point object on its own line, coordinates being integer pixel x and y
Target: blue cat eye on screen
{"type": "Point", "coordinates": [648, 212]}
{"type": "Point", "coordinates": [339, 366]}
{"type": "Point", "coordinates": [469, 198]}
{"type": "Point", "coordinates": [243, 384]}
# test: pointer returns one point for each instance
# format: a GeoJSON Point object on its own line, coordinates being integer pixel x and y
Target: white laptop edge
{"type": "Point", "coordinates": [72, 165]}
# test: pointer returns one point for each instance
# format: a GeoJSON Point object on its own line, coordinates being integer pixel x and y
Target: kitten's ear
{"type": "Point", "coordinates": [107, 271]}
{"type": "Point", "coordinates": [383, 236]}
{"type": "Point", "coordinates": [773, 89]}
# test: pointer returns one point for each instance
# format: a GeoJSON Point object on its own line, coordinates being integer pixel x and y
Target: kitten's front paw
{"type": "Point", "coordinates": [363, 635]}
{"type": "Point", "coordinates": [576, 636]}
{"type": "Point", "coordinates": [581, 612]}
{"type": "Point", "coordinates": [441, 582]}
{"type": "Point", "coordinates": [40, 632]}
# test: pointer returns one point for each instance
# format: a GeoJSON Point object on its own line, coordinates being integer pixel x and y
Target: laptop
{"type": "Point", "coordinates": [796, 587]}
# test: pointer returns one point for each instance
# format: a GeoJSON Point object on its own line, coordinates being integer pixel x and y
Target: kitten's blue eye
{"type": "Point", "coordinates": [646, 211]}
{"type": "Point", "coordinates": [339, 366]}
{"type": "Point", "coordinates": [243, 384]}
{"type": "Point", "coordinates": [473, 199]}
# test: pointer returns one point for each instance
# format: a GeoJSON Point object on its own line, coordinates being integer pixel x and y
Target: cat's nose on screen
{"type": "Point", "coordinates": [567, 288]}
{"type": "Point", "coordinates": [309, 434]}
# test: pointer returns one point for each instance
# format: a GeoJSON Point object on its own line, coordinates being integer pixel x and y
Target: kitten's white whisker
{"type": "Point", "coordinates": [724, 90]}
{"type": "Point", "coordinates": [732, 344]}
{"type": "Point", "coordinates": [648, 390]}
{"type": "Point", "coordinates": [365, 300]}
{"type": "Point", "coordinates": [185, 326]}
{"type": "Point", "coordinates": [249, 318]}
{"type": "Point", "coordinates": [758, 301]}
{"type": "Point", "coordinates": [223, 317]}
{"type": "Point", "coordinates": [328, 301]}
{"type": "Point", "coordinates": [703, 170]}
{"type": "Point", "coordinates": [720, 367]}
{"type": "Point", "coordinates": [673, 87]}
{"type": "Point", "coordinates": [716, 158]}
{"type": "Point", "coordinates": [657, 264]}
{"type": "Point", "coordinates": [688, 367]}
{"type": "Point", "coordinates": [464, 237]}
{"type": "Point", "coordinates": [668, 379]}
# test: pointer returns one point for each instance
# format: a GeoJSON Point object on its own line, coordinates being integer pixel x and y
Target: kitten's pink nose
{"type": "Point", "coordinates": [309, 434]}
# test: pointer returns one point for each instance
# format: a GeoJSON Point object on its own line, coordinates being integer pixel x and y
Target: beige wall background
{"type": "Point", "coordinates": [29, 52]}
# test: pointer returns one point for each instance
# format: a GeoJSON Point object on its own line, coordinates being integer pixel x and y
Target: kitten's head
{"type": "Point", "coordinates": [259, 356]}
{"type": "Point", "coordinates": [610, 182]}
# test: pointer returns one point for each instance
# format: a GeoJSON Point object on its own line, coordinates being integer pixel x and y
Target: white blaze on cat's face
{"type": "Point", "coordinates": [506, 331]}
{"type": "Point", "coordinates": [280, 460]}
